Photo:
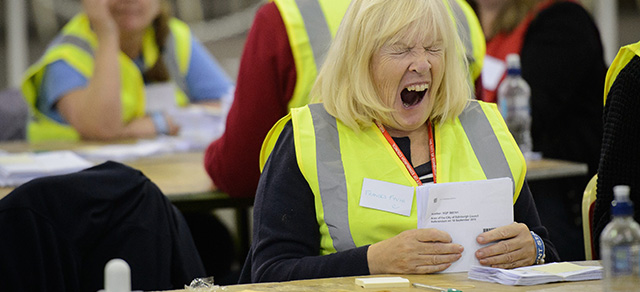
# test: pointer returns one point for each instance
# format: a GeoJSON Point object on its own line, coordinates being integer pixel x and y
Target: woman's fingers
{"type": "Point", "coordinates": [414, 252]}
{"type": "Point", "coordinates": [510, 246]}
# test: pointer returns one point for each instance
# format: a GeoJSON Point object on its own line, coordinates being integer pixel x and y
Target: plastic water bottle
{"type": "Point", "coordinates": [620, 245]}
{"type": "Point", "coordinates": [513, 101]}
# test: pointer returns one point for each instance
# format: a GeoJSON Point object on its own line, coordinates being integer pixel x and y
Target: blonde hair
{"type": "Point", "coordinates": [345, 81]}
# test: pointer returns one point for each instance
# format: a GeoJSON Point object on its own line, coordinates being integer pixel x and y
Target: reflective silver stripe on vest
{"type": "Point", "coordinates": [317, 29]}
{"type": "Point", "coordinates": [331, 178]}
{"type": "Point", "coordinates": [170, 59]}
{"type": "Point", "coordinates": [484, 142]}
{"type": "Point", "coordinates": [462, 24]}
{"type": "Point", "coordinates": [73, 40]}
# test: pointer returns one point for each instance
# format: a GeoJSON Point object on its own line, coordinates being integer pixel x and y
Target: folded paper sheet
{"type": "Point", "coordinates": [464, 210]}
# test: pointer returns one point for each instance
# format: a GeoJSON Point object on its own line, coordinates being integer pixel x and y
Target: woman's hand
{"type": "Point", "coordinates": [102, 22]}
{"type": "Point", "coordinates": [417, 251]}
{"type": "Point", "coordinates": [514, 247]}
{"type": "Point", "coordinates": [174, 128]}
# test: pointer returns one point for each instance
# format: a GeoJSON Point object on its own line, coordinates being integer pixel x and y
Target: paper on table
{"type": "Point", "coordinates": [124, 152]}
{"type": "Point", "coordinates": [464, 210]}
{"type": "Point", "coordinates": [161, 96]}
{"type": "Point", "coordinates": [16, 169]}
{"type": "Point", "coordinates": [199, 125]}
{"type": "Point", "coordinates": [534, 275]}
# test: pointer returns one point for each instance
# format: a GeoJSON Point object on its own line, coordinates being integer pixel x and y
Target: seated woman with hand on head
{"type": "Point", "coordinates": [90, 83]}
{"type": "Point", "coordinates": [394, 67]}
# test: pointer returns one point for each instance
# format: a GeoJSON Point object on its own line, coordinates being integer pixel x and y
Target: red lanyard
{"type": "Point", "coordinates": [432, 151]}
{"type": "Point", "coordinates": [404, 159]}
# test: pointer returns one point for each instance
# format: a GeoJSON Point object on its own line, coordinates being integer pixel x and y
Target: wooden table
{"type": "Point", "coordinates": [450, 280]}
{"type": "Point", "coordinates": [553, 168]}
{"type": "Point", "coordinates": [180, 176]}
{"type": "Point", "coordinates": [183, 179]}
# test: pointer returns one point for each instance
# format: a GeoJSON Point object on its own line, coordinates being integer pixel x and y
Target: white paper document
{"type": "Point", "coordinates": [126, 152]}
{"type": "Point", "coordinates": [199, 125]}
{"type": "Point", "coordinates": [16, 169]}
{"type": "Point", "coordinates": [464, 210]}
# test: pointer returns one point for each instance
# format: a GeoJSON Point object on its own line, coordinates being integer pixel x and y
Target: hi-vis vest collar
{"type": "Point", "coordinates": [625, 54]}
{"type": "Point", "coordinates": [334, 160]}
{"type": "Point", "coordinates": [312, 24]}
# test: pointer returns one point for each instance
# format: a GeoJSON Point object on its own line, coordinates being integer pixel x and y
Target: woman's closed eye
{"type": "Point", "coordinates": [433, 49]}
{"type": "Point", "coordinates": [400, 50]}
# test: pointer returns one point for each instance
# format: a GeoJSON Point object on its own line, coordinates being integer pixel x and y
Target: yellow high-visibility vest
{"type": "Point", "coordinates": [76, 45]}
{"type": "Point", "coordinates": [334, 160]}
{"type": "Point", "coordinates": [625, 54]}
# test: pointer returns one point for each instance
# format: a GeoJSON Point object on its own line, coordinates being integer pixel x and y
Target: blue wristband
{"type": "Point", "coordinates": [539, 248]}
{"type": "Point", "coordinates": [160, 123]}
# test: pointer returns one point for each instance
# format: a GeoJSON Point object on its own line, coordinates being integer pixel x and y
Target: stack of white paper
{"type": "Point", "coordinates": [534, 275]}
{"type": "Point", "coordinates": [199, 125]}
{"type": "Point", "coordinates": [16, 169]}
{"type": "Point", "coordinates": [125, 152]}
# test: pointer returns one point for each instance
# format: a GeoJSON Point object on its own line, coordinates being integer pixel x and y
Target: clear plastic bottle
{"type": "Point", "coordinates": [513, 101]}
{"type": "Point", "coordinates": [620, 245]}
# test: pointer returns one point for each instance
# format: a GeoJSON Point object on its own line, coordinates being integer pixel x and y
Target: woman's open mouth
{"type": "Point", "coordinates": [413, 94]}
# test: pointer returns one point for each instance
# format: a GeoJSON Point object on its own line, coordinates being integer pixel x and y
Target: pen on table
{"type": "Point", "coordinates": [418, 285]}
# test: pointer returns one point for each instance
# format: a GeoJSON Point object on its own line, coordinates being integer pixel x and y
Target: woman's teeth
{"type": "Point", "coordinates": [421, 87]}
{"type": "Point", "coordinates": [413, 94]}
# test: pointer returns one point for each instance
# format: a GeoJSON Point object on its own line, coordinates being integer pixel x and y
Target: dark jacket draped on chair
{"type": "Point", "coordinates": [58, 232]}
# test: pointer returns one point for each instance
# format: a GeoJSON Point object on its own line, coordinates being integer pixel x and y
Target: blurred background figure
{"type": "Point", "coordinates": [109, 74]}
{"type": "Point", "coordinates": [278, 67]}
{"type": "Point", "coordinates": [91, 81]}
{"type": "Point", "coordinates": [620, 158]}
{"type": "Point", "coordinates": [562, 60]}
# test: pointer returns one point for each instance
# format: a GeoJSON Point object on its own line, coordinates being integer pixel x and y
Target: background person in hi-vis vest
{"type": "Point", "coordinates": [392, 103]}
{"type": "Point", "coordinates": [620, 159]}
{"type": "Point", "coordinates": [90, 83]}
{"type": "Point", "coordinates": [283, 52]}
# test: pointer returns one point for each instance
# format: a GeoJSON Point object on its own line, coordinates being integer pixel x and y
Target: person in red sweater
{"type": "Point", "coordinates": [234, 169]}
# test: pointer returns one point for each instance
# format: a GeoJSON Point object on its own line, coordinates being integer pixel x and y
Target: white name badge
{"type": "Point", "coordinates": [386, 196]}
